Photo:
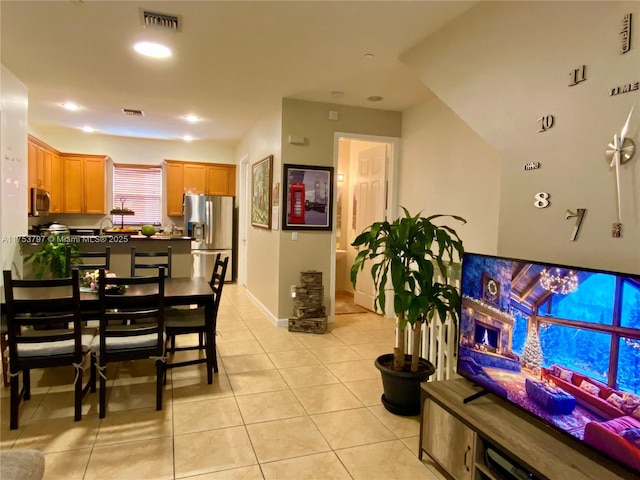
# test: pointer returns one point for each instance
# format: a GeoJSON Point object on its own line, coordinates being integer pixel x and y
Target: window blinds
{"type": "Point", "coordinates": [139, 188]}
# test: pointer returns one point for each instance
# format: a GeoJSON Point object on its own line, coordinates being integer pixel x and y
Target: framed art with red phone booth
{"type": "Point", "coordinates": [308, 197]}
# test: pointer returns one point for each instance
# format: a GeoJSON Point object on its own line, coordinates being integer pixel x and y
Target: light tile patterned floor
{"type": "Point", "coordinates": [283, 406]}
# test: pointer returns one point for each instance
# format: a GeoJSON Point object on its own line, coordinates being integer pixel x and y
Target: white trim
{"type": "Point", "coordinates": [391, 211]}
{"type": "Point", "coordinates": [243, 207]}
{"type": "Point", "coordinates": [278, 322]}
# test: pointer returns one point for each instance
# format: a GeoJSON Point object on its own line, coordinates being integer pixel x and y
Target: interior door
{"type": "Point", "coordinates": [371, 197]}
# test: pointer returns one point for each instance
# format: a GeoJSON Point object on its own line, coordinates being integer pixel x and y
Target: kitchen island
{"type": "Point", "coordinates": [182, 260]}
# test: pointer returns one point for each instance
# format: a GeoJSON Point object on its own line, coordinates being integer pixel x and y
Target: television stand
{"type": "Point", "coordinates": [458, 435]}
{"type": "Point", "coordinates": [476, 395]}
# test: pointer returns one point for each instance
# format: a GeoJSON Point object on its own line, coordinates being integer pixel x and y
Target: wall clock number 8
{"type": "Point", "coordinates": [542, 200]}
{"type": "Point", "coordinates": [620, 151]}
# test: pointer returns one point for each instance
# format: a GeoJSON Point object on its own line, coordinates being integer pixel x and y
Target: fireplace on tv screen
{"type": "Point", "coordinates": [560, 342]}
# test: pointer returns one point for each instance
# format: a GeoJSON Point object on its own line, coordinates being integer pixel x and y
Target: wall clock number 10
{"type": "Point", "coordinates": [546, 122]}
{"type": "Point", "coordinates": [542, 200]}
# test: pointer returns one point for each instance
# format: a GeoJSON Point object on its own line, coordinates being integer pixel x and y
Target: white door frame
{"type": "Point", "coordinates": [392, 199]}
{"type": "Point", "coordinates": [243, 220]}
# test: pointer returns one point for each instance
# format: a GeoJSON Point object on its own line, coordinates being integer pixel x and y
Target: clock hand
{"type": "Point", "coordinates": [625, 129]}
{"type": "Point", "coordinates": [624, 132]}
{"type": "Point", "coordinates": [616, 160]}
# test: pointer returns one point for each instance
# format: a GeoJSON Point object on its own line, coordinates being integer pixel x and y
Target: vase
{"type": "Point", "coordinates": [402, 388]}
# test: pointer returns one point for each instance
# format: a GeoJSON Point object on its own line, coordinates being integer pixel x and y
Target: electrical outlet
{"type": "Point", "coordinates": [293, 291]}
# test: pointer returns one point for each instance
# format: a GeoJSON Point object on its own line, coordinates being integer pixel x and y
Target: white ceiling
{"type": "Point", "coordinates": [232, 62]}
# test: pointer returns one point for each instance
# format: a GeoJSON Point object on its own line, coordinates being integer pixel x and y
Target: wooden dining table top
{"type": "Point", "coordinates": [177, 291]}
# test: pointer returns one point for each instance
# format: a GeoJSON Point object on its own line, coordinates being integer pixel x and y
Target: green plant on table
{"type": "Point", "coordinates": [408, 251]}
{"type": "Point", "coordinates": [52, 257]}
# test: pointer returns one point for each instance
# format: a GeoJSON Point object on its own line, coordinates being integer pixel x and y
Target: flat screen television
{"type": "Point", "coordinates": [561, 342]}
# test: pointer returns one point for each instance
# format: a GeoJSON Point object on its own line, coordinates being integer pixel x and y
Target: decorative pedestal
{"type": "Point", "coordinates": [308, 312]}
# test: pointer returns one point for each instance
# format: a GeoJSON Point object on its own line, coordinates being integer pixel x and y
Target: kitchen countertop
{"type": "Point", "coordinates": [108, 238]}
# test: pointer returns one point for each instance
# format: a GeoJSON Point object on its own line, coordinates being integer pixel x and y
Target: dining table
{"type": "Point", "coordinates": [178, 291]}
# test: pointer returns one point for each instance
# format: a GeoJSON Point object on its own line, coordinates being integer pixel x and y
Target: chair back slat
{"type": "Point", "coordinates": [142, 309]}
{"type": "Point", "coordinates": [76, 260]}
{"type": "Point", "coordinates": [151, 260]}
{"type": "Point", "coordinates": [52, 304]}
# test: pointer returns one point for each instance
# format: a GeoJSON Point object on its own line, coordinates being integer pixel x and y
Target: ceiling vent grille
{"type": "Point", "coordinates": [132, 112]}
{"type": "Point", "coordinates": [163, 21]}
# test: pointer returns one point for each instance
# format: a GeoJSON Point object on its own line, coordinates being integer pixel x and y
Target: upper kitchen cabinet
{"type": "Point", "coordinates": [195, 177]}
{"type": "Point", "coordinates": [56, 184]}
{"type": "Point", "coordinates": [221, 180]}
{"type": "Point", "coordinates": [84, 183]}
{"type": "Point", "coordinates": [44, 170]}
{"type": "Point", "coordinates": [175, 186]}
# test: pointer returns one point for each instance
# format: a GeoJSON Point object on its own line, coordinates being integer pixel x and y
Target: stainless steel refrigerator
{"type": "Point", "coordinates": [209, 221]}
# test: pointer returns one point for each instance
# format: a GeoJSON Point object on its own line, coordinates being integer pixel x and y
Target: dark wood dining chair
{"type": "Point", "coordinates": [131, 328]}
{"type": "Point", "coordinates": [186, 321]}
{"type": "Point", "coordinates": [83, 261]}
{"type": "Point", "coordinates": [33, 303]}
{"type": "Point", "coordinates": [148, 260]}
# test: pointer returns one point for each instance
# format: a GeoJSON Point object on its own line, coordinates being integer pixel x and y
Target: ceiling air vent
{"type": "Point", "coordinates": [163, 21]}
{"type": "Point", "coordinates": [132, 112]}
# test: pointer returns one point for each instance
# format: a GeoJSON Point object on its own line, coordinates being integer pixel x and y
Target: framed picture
{"type": "Point", "coordinates": [261, 176]}
{"type": "Point", "coordinates": [308, 194]}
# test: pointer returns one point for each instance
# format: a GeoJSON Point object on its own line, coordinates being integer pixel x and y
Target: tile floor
{"type": "Point", "coordinates": [283, 406]}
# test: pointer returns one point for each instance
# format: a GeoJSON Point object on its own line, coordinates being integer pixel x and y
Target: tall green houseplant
{"type": "Point", "coordinates": [411, 251]}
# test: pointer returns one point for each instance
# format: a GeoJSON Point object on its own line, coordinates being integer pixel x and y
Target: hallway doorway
{"type": "Point", "coordinates": [365, 171]}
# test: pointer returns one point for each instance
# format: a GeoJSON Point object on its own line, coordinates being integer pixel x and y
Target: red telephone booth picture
{"type": "Point", "coordinates": [296, 202]}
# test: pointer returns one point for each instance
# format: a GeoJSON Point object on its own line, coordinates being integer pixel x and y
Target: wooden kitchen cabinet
{"type": "Point", "coordinates": [221, 180]}
{"type": "Point", "coordinates": [41, 168]}
{"type": "Point", "coordinates": [195, 177]}
{"type": "Point", "coordinates": [84, 183]}
{"type": "Point", "coordinates": [56, 189]}
{"type": "Point", "coordinates": [175, 186]}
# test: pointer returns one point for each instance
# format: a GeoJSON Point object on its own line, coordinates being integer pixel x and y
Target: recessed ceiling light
{"type": "Point", "coordinates": [374, 98]}
{"type": "Point", "coordinates": [191, 118]}
{"type": "Point", "coordinates": [154, 50]}
{"type": "Point", "coordinates": [368, 56]}
{"type": "Point", "coordinates": [187, 138]}
{"type": "Point", "coordinates": [87, 129]}
{"type": "Point", "coordinates": [337, 93]}
{"type": "Point", "coordinates": [70, 106]}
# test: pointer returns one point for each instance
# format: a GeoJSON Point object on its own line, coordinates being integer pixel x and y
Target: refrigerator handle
{"type": "Point", "coordinates": [208, 222]}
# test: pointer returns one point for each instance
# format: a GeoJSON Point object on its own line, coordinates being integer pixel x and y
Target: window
{"type": "Point", "coordinates": [138, 188]}
{"type": "Point", "coordinates": [581, 350]}
{"type": "Point", "coordinates": [592, 302]}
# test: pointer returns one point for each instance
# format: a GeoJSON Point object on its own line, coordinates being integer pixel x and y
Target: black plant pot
{"type": "Point", "coordinates": [402, 388]}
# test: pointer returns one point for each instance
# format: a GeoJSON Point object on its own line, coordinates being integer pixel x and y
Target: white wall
{"type": "Point", "coordinates": [263, 253]}
{"type": "Point", "coordinates": [500, 67]}
{"type": "Point", "coordinates": [136, 150]}
{"type": "Point", "coordinates": [446, 168]}
{"type": "Point", "coordinates": [314, 250]}
{"type": "Point", "coordinates": [13, 171]}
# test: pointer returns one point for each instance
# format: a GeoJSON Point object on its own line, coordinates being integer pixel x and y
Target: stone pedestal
{"type": "Point", "coordinates": [308, 312]}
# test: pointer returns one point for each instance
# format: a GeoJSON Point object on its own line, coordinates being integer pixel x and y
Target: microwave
{"type": "Point", "coordinates": [40, 202]}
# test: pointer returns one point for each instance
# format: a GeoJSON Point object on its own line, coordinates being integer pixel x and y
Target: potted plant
{"type": "Point", "coordinates": [52, 257]}
{"type": "Point", "coordinates": [410, 252]}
